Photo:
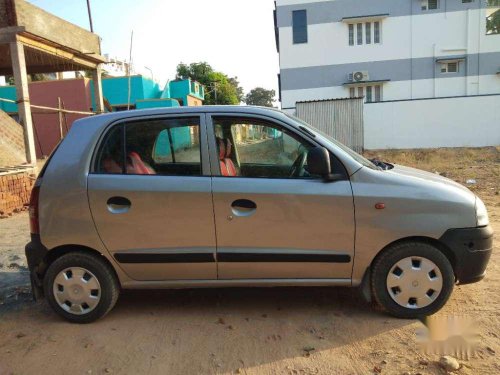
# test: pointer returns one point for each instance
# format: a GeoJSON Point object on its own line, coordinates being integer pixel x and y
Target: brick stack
{"type": "Point", "coordinates": [11, 141]}
{"type": "Point", "coordinates": [15, 190]}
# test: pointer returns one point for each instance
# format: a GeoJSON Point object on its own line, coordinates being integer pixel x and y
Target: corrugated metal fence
{"type": "Point", "coordinates": [340, 118]}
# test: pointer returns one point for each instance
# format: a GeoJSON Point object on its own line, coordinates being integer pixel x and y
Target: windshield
{"type": "Point", "coordinates": [360, 159]}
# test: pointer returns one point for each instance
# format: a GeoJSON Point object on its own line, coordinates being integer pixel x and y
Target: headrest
{"type": "Point", "coordinates": [229, 148]}
{"type": "Point", "coordinates": [222, 148]}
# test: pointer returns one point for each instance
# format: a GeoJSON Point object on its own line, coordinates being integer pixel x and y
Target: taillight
{"type": "Point", "coordinates": [33, 208]}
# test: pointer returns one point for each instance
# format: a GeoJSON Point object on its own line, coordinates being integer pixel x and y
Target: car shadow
{"type": "Point", "coordinates": [222, 330]}
{"type": "Point", "coordinates": [276, 323]}
{"type": "Point", "coordinates": [12, 281]}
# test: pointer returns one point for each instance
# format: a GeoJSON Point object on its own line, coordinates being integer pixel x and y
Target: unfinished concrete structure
{"type": "Point", "coordinates": [34, 41]}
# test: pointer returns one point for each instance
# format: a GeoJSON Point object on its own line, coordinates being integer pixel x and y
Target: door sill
{"type": "Point", "coordinates": [228, 283]}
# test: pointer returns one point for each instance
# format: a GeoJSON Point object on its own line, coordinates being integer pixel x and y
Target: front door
{"type": "Point", "coordinates": [273, 219]}
{"type": "Point", "coordinates": [150, 196]}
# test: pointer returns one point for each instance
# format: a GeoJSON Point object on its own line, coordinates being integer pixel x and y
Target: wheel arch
{"type": "Point", "coordinates": [448, 253]}
{"type": "Point", "coordinates": [59, 251]}
{"type": "Point", "coordinates": [422, 239]}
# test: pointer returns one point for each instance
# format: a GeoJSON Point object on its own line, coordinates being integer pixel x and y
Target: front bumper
{"type": "Point", "coordinates": [35, 255]}
{"type": "Point", "coordinates": [472, 250]}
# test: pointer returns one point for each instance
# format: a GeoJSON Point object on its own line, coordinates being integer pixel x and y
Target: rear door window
{"type": "Point", "coordinates": [166, 147]}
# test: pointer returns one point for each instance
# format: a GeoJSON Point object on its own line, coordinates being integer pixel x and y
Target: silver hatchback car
{"type": "Point", "coordinates": [242, 196]}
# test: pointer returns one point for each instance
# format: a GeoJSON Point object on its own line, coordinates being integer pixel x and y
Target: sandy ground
{"type": "Point", "coordinates": [246, 331]}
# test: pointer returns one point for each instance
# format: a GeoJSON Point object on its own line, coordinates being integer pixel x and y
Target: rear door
{"type": "Point", "coordinates": [273, 219]}
{"type": "Point", "coordinates": [150, 196]}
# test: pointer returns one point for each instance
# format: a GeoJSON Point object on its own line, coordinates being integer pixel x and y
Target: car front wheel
{"type": "Point", "coordinates": [412, 280]}
{"type": "Point", "coordinates": [81, 287]}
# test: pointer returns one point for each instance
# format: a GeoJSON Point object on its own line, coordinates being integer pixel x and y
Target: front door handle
{"type": "Point", "coordinates": [243, 207]}
{"type": "Point", "coordinates": [118, 205]}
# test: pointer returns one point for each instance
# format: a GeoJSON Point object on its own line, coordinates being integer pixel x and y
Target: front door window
{"type": "Point", "coordinates": [255, 148]}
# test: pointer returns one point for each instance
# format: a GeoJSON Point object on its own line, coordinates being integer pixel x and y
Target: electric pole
{"type": "Point", "coordinates": [90, 16]}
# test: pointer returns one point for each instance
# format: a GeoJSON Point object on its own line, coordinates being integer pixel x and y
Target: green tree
{"type": "Point", "coordinates": [219, 88]}
{"type": "Point", "coordinates": [36, 77]}
{"type": "Point", "coordinates": [239, 90]}
{"type": "Point", "coordinates": [493, 23]}
{"type": "Point", "coordinates": [260, 96]}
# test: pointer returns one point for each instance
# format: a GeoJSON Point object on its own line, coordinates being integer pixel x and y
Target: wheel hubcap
{"type": "Point", "coordinates": [414, 282]}
{"type": "Point", "coordinates": [77, 290]}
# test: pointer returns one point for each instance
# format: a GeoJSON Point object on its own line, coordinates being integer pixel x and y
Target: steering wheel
{"type": "Point", "coordinates": [297, 169]}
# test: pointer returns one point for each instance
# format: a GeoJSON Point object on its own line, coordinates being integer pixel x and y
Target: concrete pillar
{"type": "Point", "coordinates": [96, 77]}
{"type": "Point", "coordinates": [23, 98]}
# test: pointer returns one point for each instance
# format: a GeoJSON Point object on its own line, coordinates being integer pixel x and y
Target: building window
{"type": "Point", "coordinates": [299, 26]}
{"type": "Point", "coordinates": [378, 93]}
{"type": "Point", "coordinates": [430, 4]}
{"type": "Point", "coordinates": [371, 93]}
{"type": "Point", "coordinates": [450, 67]}
{"type": "Point", "coordinates": [376, 26]}
{"type": "Point", "coordinates": [359, 32]}
{"type": "Point", "coordinates": [493, 17]}
{"type": "Point", "coordinates": [467, 1]}
{"type": "Point", "coordinates": [351, 34]}
{"type": "Point", "coordinates": [369, 96]}
{"type": "Point", "coordinates": [371, 33]}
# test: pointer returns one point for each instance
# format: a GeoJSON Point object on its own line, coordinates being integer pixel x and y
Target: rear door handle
{"type": "Point", "coordinates": [118, 205]}
{"type": "Point", "coordinates": [243, 207]}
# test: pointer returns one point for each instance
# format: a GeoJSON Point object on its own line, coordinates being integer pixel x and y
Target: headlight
{"type": "Point", "coordinates": [481, 213]}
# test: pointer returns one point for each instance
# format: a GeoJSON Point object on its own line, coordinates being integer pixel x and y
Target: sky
{"type": "Point", "coordinates": [235, 37]}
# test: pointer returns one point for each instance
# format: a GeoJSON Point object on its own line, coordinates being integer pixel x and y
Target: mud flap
{"type": "Point", "coordinates": [36, 287]}
{"type": "Point", "coordinates": [365, 288]}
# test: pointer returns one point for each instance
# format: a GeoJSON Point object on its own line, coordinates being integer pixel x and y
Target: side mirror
{"type": "Point", "coordinates": [318, 163]}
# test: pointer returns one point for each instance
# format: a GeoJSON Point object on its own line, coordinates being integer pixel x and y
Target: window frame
{"type": "Point", "coordinates": [362, 91]}
{"type": "Point", "coordinates": [204, 156]}
{"type": "Point", "coordinates": [425, 5]}
{"type": "Point", "coordinates": [302, 135]}
{"type": "Point", "coordinates": [364, 33]}
{"type": "Point", "coordinates": [446, 65]}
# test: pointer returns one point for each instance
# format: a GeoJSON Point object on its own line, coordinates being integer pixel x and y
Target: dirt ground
{"type": "Point", "coordinates": [250, 331]}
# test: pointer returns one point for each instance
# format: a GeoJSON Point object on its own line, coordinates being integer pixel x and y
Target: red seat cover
{"type": "Point", "coordinates": [231, 169]}
{"type": "Point", "coordinates": [222, 154]}
{"type": "Point", "coordinates": [137, 166]}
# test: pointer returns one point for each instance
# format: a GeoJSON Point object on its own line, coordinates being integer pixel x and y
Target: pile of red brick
{"type": "Point", "coordinates": [15, 190]}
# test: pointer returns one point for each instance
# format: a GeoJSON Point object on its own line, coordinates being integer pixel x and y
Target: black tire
{"type": "Point", "coordinates": [383, 265]}
{"type": "Point", "coordinates": [110, 287]}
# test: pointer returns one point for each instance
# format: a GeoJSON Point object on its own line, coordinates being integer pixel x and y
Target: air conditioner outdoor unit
{"type": "Point", "coordinates": [360, 76]}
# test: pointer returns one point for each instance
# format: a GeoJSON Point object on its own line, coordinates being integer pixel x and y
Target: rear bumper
{"type": "Point", "coordinates": [35, 255]}
{"type": "Point", "coordinates": [472, 250]}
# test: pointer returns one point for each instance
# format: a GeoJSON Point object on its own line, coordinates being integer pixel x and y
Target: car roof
{"type": "Point", "coordinates": [189, 109]}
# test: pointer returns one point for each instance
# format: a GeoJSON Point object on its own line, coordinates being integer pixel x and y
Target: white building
{"type": "Point", "coordinates": [113, 67]}
{"type": "Point", "coordinates": [387, 50]}
{"type": "Point", "coordinates": [116, 67]}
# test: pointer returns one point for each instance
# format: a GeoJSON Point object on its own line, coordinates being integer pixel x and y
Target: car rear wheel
{"type": "Point", "coordinates": [81, 287]}
{"type": "Point", "coordinates": [412, 280]}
